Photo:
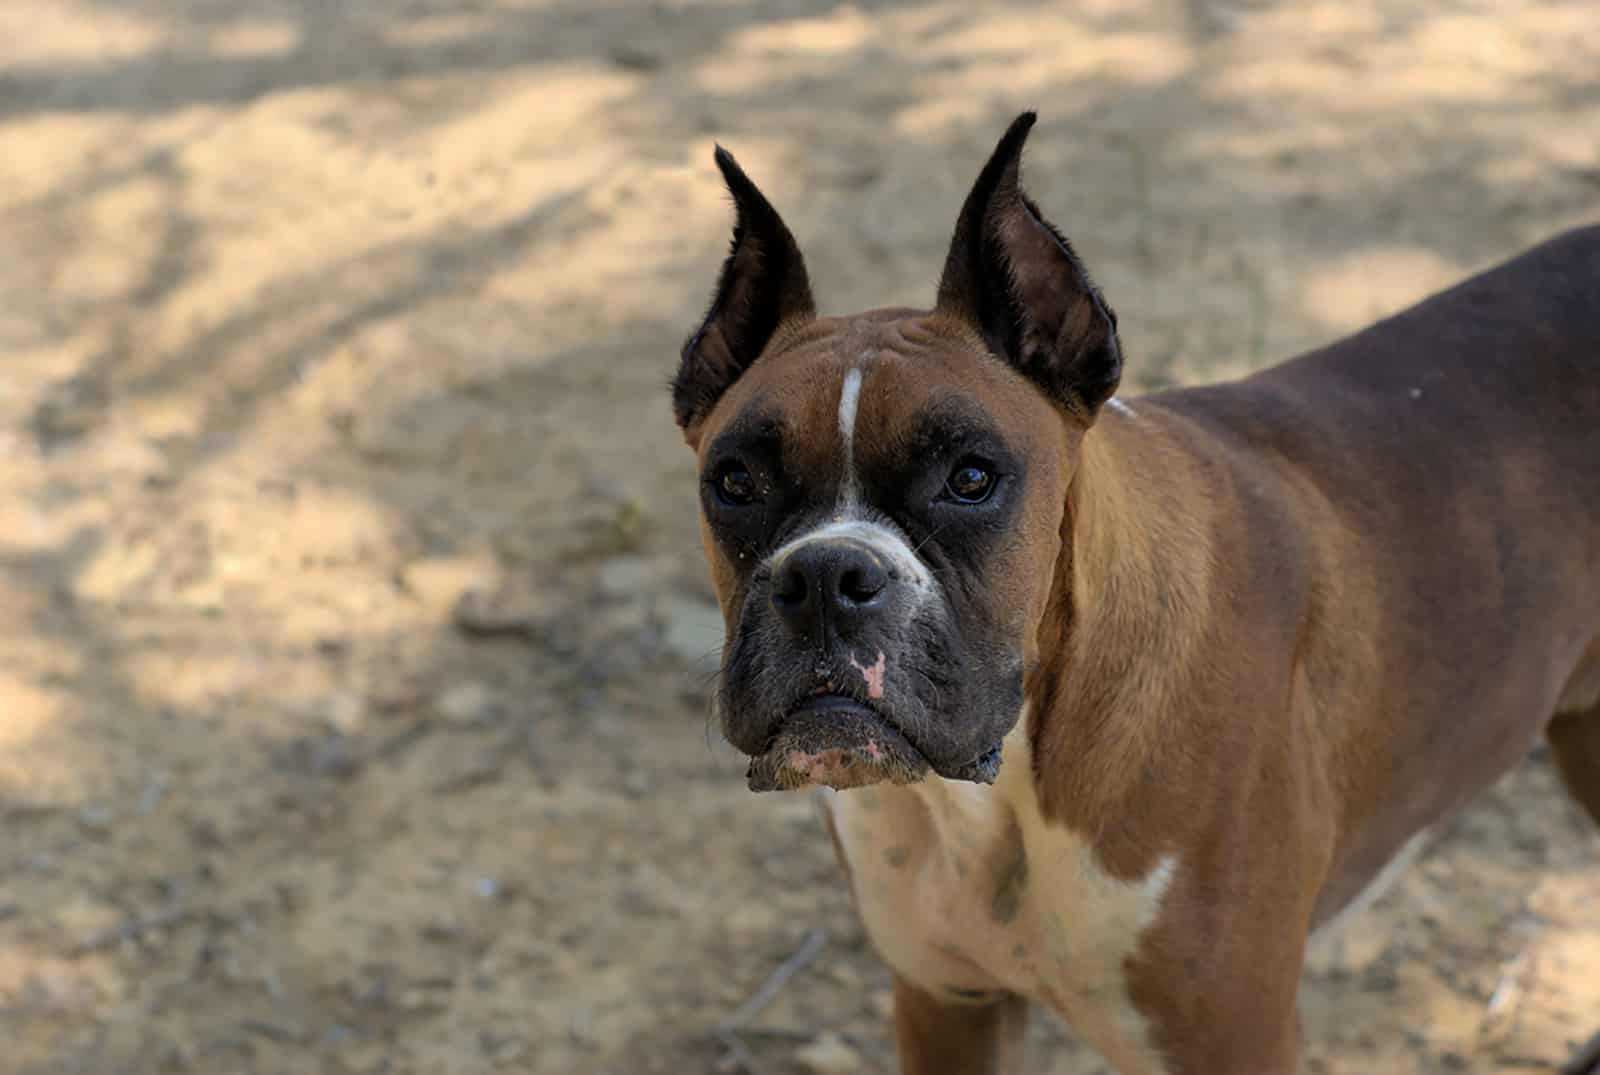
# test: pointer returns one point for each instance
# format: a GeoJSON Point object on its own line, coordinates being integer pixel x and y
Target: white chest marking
{"type": "Point", "coordinates": [966, 890]}
{"type": "Point", "coordinates": [849, 401]}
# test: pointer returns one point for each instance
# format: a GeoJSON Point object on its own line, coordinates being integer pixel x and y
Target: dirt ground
{"type": "Point", "coordinates": [354, 641]}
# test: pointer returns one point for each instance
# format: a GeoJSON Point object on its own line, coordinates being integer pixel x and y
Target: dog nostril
{"type": "Point", "coordinates": [790, 588]}
{"type": "Point", "coordinates": [861, 584]}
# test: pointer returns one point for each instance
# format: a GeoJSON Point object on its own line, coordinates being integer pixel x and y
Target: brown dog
{"type": "Point", "coordinates": [1133, 697]}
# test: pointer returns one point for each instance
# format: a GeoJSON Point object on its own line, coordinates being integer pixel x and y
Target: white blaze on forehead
{"type": "Point", "coordinates": [846, 524]}
{"type": "Point", "coordinates": [849, 400]}
{"type": "Point", "coordinates": [884, 541]}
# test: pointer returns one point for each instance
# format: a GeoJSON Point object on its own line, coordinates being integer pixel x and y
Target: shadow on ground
{"type": "Point", "coordinates": [356, 644]}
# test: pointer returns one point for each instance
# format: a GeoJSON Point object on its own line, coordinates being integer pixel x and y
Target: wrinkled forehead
{"type": "Point", "coordinates": [847, 390]}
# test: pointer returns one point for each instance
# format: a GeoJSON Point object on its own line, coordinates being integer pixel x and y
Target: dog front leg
{"type": "Point", "coordinates": [937, 1038]}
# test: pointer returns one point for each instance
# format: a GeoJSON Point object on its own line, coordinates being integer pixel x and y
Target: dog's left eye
{"type": "Point", "coordinates": [969, 483]}
{"type": "Point", "coordinates": [735, 485]}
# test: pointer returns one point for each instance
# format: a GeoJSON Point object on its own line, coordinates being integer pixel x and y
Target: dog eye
{"type": "Point", "coordinates": [969, 483]}
{"type": "Point", "coordinates": [735, 484]}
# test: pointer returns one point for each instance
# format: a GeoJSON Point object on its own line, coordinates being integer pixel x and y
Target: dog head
{"type": "Point", "coordinates": [882, 495]}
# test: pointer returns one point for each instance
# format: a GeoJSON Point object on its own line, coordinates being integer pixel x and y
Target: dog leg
{"type": "Point", "coordinates": [936, 1038]}
{"type": "Point", "coordinates": [1586, 1061]}
{"type": "Point", "coordinates": [1575, 744]}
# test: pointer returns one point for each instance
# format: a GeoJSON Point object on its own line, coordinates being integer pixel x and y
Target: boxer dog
{"type": "Point", "coordinates": [1118, 702]}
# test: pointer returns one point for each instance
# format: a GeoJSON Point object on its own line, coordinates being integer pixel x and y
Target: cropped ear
{"type": "Point", "coordinates": [763, 284]}
{"type": "Point", "coordinates": [1015, 278]}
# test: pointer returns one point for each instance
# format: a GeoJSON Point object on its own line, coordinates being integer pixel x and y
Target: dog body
{"type": "Point", "coordinates": [1124, 700]}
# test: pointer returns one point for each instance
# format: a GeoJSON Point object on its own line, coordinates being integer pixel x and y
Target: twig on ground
{"type": "Point", "coordinates": [778, 1033]}
{"type": "Point", "coordinates": [727, 1030]}
{"type": "Point", "coordinates": [737, 1057]}
{"type": "Point", "coordinates": [809, 949]}
{"type": "Point", "coordinates": [405, 740]}
{"type": "Point", "coordinates": [1508, 991]}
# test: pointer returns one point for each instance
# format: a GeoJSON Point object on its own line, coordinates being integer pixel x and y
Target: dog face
{"type": "Point", "coordinates": [882, 496]}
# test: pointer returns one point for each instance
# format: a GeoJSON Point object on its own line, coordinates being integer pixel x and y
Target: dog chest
{"type": "Point", "coordinates": [965, 891]}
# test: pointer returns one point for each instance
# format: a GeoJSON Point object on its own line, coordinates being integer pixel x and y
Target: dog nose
{"type": "Point", "coordinates": [836, 582]}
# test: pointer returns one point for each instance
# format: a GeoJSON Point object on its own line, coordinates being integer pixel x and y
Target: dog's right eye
{"type": "Point", "coordinates": [734, 484]}
{"type": "Point", "coordinates": [969, 483]}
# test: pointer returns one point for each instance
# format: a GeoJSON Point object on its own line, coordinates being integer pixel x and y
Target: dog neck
{"type": "Point", "coordinates": [1133, 580]}
{"type": "Point", "coordinates": [1117, 650]}
{"type": "Point", "coordinates": [1117, 641]}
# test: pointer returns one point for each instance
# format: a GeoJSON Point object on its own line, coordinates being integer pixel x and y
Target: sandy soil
{"type": "Point", "coordinates": [354, 641]}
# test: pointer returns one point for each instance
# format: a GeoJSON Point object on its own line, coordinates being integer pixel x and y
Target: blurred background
{"type": "Point", "coordinates": [355, 644]}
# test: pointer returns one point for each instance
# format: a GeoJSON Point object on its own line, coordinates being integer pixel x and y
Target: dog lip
{"type": "Point", "coordinates": [836, 741]}
{"type": "Point", "coordinates": [840, 741]}
{"type": "Point", "coordinates": [826, 701]}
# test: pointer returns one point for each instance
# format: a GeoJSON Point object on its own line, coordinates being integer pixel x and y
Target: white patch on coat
{"type": "Point", "coordinates": [849, 401]}
{"type": "Point", "coordinates": [884, 541]}
{"type": "Point", "coordinates": [934, 867]}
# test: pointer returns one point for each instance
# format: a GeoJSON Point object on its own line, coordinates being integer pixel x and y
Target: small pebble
{"type": "Point", "coordinates": [473, 773]}
{"type": "Point", "coordinates": [346, 712]}
{"type": "Point", "coordinates": [338, 1034]}
{"type": "Point", "coordinates": [333, 756]}
{"type": "Point", "coordinates": [753, 919]}
{"type": "Point", "coordinates": [96, 818]}
{"type": "Point", "coordinates": [507, 610]}
{"type": "Point", "coordinates": [368, 1058]}
{"type": "Point", "coordinates": [634, 59]}
{"type": "Point", "coordinates": [502, 1049]}
{"type": "Point", "coordinates": [439, 583]}
{"type": "Point", "coordinates": [332, 646]}
{"type": "Point", "coordinates": [828, 1055]}
{"type": "Point", "coordinates": [466, 703]}
{"type": "Point", "coordinates": [155, 789]}
{"type": "Point", "coordinates": [442, 930]}
{"type": "Point", "coordinates": [638, 784]}
{"type": "Point", "coordinates": [607, 489]}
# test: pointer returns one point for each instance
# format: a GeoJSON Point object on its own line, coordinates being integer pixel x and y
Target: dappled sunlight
{"type": "Point", "coordinates": [77, 31]}
{"type": "Point", "coordinates": [1122, 53]}
{"type": "Point", "coordinates": [252, 38]}
{"type": "Point", "coordinates": [355, 645]}
{"type": "Point", "coordinates": [131, 216]}
{"type": "Point", "coordinates": [844, 29]}
{"type": "Point", "coordinates": [30, 708]}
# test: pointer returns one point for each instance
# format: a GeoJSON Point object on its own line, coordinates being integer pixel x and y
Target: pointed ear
{"type": "Point", "coordinates": [1015, 278]}
{"type": "Point", "coordinates": [763, 284]}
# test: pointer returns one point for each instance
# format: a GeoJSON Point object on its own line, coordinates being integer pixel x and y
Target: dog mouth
{"type": "Point", "coordinates": [834, 741]}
